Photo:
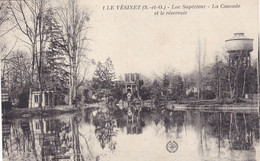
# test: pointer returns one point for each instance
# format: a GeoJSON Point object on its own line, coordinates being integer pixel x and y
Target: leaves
{"type": "Point", "coordinates": [55, 68]}
{"type": "Point", "coordinates": [104, 76]}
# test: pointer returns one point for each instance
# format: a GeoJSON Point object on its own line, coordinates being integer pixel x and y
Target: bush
{"type": "Point", "coordinates": [191, 94]}
{"type": "Point", "coordinates": [24, 99]}
{"type": "Point", "coordinates": [208, 94]}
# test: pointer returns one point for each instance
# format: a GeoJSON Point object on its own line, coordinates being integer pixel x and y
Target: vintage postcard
{"type": "Point", "coordinates": [130, 80]}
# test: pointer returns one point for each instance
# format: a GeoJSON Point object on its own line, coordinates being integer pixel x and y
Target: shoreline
{"type": "Point", "coordinates": [217, 108]}
{"type": "Point", "coordinates": [37, 112]}
{"type": "Point", "coordinates": [59, 110]}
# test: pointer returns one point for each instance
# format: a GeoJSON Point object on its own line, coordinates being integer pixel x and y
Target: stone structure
{"type": "Point", "coordinates": [131, 83]}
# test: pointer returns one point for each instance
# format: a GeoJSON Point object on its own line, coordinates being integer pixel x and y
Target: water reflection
{"type": "Point", "coordinates": [108, 134]}
{"type": "Point", "coordinates": [42, 139]}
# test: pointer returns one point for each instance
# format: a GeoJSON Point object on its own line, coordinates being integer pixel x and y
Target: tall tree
{"type": "Point", "coordinates": [166, 85]}
{"type": "Point", "coordinates": [178, 88]}
{"type": "Point", "coordinates": [29, 18]}
{"type": "Point", "coordinates": [104, 77]}
{"type": "Point", "coordinates": [73, 21]}
{"type": "Point", "coordinates": [156, 93]}
{"type": "Point", "coordinates": [55, 68]}
{"type": "Point", "coordinates": [219, 77]}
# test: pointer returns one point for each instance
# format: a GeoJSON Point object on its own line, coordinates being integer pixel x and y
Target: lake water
{"type": "Point", "coordinates": [109, 135]}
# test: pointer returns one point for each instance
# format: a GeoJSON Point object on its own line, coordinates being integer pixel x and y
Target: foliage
{"type": "Point", "coordinates": [217, 76]}
{"type": "Point", "coordinates": [208, 94]}
{"type": "Point", "coordinates": [117, 91]}
{"type": "Point", "coordinates": [30, 18]}
{"type": "Point", "coordinates": [55, 38]}
{"type": "Point", "coordinates": [251, 83]}
{"type": "Point", "coordinates": [105, 130]}
{"type": "Point", "coordinates": [170, 88]}
{"type": "Point", "coordinates": [165, 86]}
{"type": "Point", "coordinates": [145, 93]}
{"type": "Point", "coordinates": [103, 79]}
{"type": "Point", "coordinates": [74, 23]}
{"type": "Point", "coordinates": [221, 78]}
{"type": "Point", "coordinates": [55, 68]}
{"type": "Point", "coordinates": [15, 74]}
{"type": "Point", "coordinates": [177, 88]}
{"type": "Point", "coordinates": [156, 93]}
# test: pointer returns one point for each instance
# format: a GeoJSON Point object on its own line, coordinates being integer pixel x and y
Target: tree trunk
{"type": "Point", "coordinates": [32, 74]}
{"type": "Point", "coordinates": [74, 80]}
{"type": "Point", "coordinates": [70, 84]}
{"type": "Point", "coordinates": [40, 57]}
{"type": "Point", "coordinates": [70, 92]}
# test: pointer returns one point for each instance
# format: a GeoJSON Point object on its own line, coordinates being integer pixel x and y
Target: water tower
{"type": "Point", "coordinates": [238, 48]}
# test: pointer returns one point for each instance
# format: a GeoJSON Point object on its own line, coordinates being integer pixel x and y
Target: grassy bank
{"type": "Point", "coordinates": [220, 103]}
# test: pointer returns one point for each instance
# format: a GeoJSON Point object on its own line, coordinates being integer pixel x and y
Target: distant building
{"type": "Point", "coordinates": [131, 83]}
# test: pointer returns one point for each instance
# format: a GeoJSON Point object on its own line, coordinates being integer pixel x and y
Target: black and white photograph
{"type": "Point", "coordinates": [130, 80]}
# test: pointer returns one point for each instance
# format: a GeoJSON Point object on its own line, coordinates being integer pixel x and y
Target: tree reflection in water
{"type": "Point", "coordinates": [105, 129]}
{"type": "Point", "coordinates": [42, 139]}
{"type": "Point", "coordinates": [58, 138]}
{"type": "Point", "coordinates": [238, 131]}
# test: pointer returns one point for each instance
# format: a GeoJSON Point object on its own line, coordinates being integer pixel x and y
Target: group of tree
{"type": "Point", "coordinates": [222, 79]}
{"type": "Point", "coordinates": [168, 87]}
{"type": "Point", "coordinates": [218, 80]}
{"type": "Point", "coordinates": [55, 34]}
{"type": "Point", "coordinates": [15, 74]}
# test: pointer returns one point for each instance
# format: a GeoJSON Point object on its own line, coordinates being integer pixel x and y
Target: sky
{"type": "Point", "coordinates": [140, 42]}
